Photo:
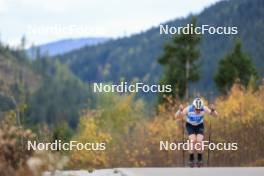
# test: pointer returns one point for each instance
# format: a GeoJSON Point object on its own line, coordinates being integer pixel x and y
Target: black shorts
{"type": "Point", "coordinates": [195, 129]}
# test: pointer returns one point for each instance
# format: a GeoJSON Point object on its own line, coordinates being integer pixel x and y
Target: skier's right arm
{"type": "Point", "coordinates": [181, 112]}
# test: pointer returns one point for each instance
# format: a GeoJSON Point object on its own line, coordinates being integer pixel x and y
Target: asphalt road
{"type": "Point", "coordinates": [223, 171]}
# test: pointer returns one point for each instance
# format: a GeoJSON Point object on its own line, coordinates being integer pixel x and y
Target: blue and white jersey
{"type": "Point", "coordinates": [193, 118]}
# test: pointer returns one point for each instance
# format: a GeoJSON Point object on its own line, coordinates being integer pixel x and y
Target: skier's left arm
{"type": "Point", "coordinates": [211, 110]}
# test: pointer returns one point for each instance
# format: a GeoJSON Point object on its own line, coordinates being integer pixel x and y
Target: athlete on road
{"type": "Point", "coordinates": [194, 125]}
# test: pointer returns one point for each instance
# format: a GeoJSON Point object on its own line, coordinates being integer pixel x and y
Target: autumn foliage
{"type": "Point", "coordinates": [133, 141]}
{"type": "Point", "coordinates": [16, 159]}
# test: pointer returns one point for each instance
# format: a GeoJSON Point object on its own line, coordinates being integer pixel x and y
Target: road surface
{"type": "Point", "coordinates": [220, 171]}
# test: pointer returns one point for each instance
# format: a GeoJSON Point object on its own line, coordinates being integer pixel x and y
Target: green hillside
{"type": "Point", "coordinates": [136, 57]}
{"type": "Point", "coordinates": [16, 78]}
{"type": "Point", "coordinates": [43, 90]}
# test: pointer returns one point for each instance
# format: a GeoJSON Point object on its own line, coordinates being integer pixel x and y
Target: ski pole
{"type": "Point", "coordinates": [183, 153]}
{"type": "Point", "coordinates": [210, 129]}
{"type": "Point", "coordinates": [183, 136]}
{"type": "Point", "coordinates": [209, 138]}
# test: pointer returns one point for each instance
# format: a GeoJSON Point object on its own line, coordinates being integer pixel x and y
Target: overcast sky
{"type": "Point", "coordinates": [42, 21]}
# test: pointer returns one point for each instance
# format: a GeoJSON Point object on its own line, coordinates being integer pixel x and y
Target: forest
{"type": "Point", "coordinates": [117, 59]}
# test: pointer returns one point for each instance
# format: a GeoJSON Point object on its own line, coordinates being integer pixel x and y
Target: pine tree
{"type": "Point", "coordinates": [180, 62]}
{"type": "Point", "coordinates": [236, 65]}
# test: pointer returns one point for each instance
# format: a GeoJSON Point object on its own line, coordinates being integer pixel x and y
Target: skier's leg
{"type": "Point", "coordinates": [199, 141]}
{"type": "Point", "coordinates": [192, 140]}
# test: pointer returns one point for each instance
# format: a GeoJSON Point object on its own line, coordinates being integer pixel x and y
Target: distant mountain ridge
{"type": "Point", "coordinates": [135, 57]}
{"type": "Point", "coordinates": [67, 45]}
